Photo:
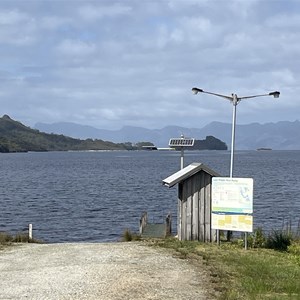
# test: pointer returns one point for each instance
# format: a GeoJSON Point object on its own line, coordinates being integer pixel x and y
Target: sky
{"type": "Point", "coordinates": [110, 64]}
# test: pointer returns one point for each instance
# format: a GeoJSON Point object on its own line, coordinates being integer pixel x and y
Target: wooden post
{"type": "Point", "coordinates": [246, 241]}
{"type": "Point", "coordinates": [30, 232]}
{"type": "Point", "coordinates": [168, 225]}
{"type": "Point", "coordinates": [143, 222]}
{"type": "Point", "coordinates": [218, 237]}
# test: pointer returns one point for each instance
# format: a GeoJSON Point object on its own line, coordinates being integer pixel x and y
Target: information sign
{"type": "Point", "coordinates": [232, 204]}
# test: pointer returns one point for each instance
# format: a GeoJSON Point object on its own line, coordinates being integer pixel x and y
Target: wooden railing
{"type": "Point", "coordinates": [143, 222]}
{"type": "Point", "coordinates": [168, 224]}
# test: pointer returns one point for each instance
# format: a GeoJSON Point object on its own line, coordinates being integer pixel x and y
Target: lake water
{"type": "Point", "coordinates": [95, 196]}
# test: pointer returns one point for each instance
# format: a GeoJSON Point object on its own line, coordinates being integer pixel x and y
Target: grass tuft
{"type": "Point", "coordinates": [257, 239]}
{"type": "Point", "coordinates": [7, 239]}
{"type": "Point", "coordinates": [128, 236]}
{"type": "Point", "coordinates": [294, 252]}
{"type": "Point", "coordinates": [279, 240]}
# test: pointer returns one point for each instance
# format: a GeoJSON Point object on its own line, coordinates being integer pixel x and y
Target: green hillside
{"type": "Point", "coordinates": [16, 137]}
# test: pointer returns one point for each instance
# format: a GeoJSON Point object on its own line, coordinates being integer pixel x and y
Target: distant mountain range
{"type": "Point", "coordinates": [16, 137]}
{"type": "Point", "coordinates": [283, 135]}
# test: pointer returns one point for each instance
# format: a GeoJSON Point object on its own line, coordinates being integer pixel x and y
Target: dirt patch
{"type": "Point", "coordinates": [98, 271]}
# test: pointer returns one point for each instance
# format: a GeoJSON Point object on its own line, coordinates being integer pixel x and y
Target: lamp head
{"type": "Point", "coordinates": [196, 90]}
{"type": "Point", "coordinates": [275, 94]}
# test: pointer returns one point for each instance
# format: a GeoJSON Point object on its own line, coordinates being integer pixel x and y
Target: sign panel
{"type": "Point", "coordinates": [232, 204]}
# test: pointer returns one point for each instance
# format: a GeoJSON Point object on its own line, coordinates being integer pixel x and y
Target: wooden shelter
{"type": "Point", "coordinates": [194, 202]}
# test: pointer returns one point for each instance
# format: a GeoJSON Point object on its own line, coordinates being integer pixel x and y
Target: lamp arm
{"type": "Point", "coordinates": [219, 95]}
{"type": "Point", "coordinates": [247, 97]}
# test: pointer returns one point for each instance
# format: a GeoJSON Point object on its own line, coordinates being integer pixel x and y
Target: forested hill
{"type": "Point", "coordinates": [210, 143]}
{"type": "Point", "coordinates": [16, 137]}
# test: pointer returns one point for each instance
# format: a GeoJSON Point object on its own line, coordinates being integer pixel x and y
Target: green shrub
{"type": "Point", "coordinates": [294, 248]}
{"type": "Point", "coordinates": [21, 238]}
{"type": "Point", "coordinates": [279, 240]}
{"type": "Point", "coordinates": [5, 238]}
{"type": "Point", "coordinates": [257, 239]}
{"type": "Point", "coordinates": [129, 236]}
{"type": "Point", "coordinates": [294, 252]}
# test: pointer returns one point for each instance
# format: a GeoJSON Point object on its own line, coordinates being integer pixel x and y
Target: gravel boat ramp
{"type": "Point", "coordinates": [98, 271]}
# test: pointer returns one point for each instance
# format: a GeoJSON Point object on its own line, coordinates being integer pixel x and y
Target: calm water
{"type": "Point", "coordinates": [95, 196]}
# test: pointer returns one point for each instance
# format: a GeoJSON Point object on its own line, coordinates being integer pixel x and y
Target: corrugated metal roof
{"type": "Point", "coordinates": [187, 172]}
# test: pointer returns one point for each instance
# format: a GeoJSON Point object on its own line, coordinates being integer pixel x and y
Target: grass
{"type": "Point", "coordinates": [7, 239]}
{"type": "Point", "coordinates": [239, 274]}
{"type": "Point", "coordinates": [128, 236]}
{"type": "Point", "coordinates": [279, 240]}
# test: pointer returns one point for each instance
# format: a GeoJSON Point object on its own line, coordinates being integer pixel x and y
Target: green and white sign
{"type": "Point", "coordinates": [232, 204]}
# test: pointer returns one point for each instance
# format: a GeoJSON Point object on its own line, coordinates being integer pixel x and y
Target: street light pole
{"type": "Point", "coordinates": [234, 99]}
{"type": "Point", "coordinates": [234, 102]}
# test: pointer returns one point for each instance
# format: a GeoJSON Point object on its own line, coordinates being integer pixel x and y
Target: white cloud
{"type": "Point", "coordinates": [196, 24]}
{"type": "Point", "coordinates": [12, 17]}
{"type": "Point", "coordinates": [283, 22]}
{"type": "Point", "coordinates": [114, 63]}
{"type": "Point", "coordinates": [95, 12]}
{"type": "Point", "coordinates": [17, 28]}
{"type": "Point", "coordinates": [242, 8]}
{"type": "Point", "coordinates": [76, 48]}
{"type": "Point", "coordinates": [54, 22]}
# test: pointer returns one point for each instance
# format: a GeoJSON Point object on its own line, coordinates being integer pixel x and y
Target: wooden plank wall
{"type": "Point", "coordinates": [195, 214]}
{"type": "Point", "coordinates": [207, 217]}
{"type": "Point", "coordinates": [201, 206]}
{"type": "Point", "coordinates": [194, 205]}
{"type": "Point", "coordinates": [179, 211]}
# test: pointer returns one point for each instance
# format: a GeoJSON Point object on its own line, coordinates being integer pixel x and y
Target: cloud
{"type": "Point", "coordinates": [12, 17]}
{"type": "Point", "coordinates": [75, 48]}
{"type": "Point", "coordinates": [283, 22]}
{"type": "Point", "coordinates": [54, 22]}
{"type": "Point", "coordinates": [16, 28]}
{"type": "Point", "coordinates": [115, 63]}
{"type": "Point", "coordinates": [93, 13]}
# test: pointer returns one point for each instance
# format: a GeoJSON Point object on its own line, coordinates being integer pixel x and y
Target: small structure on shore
{"type": "Point", "coordinates": [155, 230]}
{"type": "Point", "coordinates": [194, 202]}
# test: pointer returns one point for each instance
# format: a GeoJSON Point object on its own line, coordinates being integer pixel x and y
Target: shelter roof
{"type": "Point", "coordinates": [187, 172]}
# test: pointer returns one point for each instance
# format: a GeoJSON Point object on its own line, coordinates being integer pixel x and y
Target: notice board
{"type": "Point", "coordinates": [232, 204]}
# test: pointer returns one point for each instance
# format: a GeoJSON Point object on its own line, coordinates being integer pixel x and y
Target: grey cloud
{"type": "Point", "coordinates": [115, 63]}
{"type": "Point", "coordinates": [94, 12]}
{"type": "Point", "coordinates": [76, 47]}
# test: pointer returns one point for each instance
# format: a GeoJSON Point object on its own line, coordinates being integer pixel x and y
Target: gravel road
{"type": "Point", "coordinates": [97, 271]}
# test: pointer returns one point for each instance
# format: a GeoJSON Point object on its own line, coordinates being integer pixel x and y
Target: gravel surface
{"type": "Point", "coordinates": [97, 271]}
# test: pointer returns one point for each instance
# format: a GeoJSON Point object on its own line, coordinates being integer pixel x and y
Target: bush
{"type": "Point", "coordinates": [129, 236]}
{"type": "Point", "coordinates": [21, 238]}
{"type": "Point", "coordinates": [5, 238]}
{"type": "Point", "coordinates": [279, 240]}
{"type": "Point", "coordinates": [257, 239]}
{"type": "Point", "coordinates": [294, 248]}
{"type": "Point", "coordinates": [294, 251]}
